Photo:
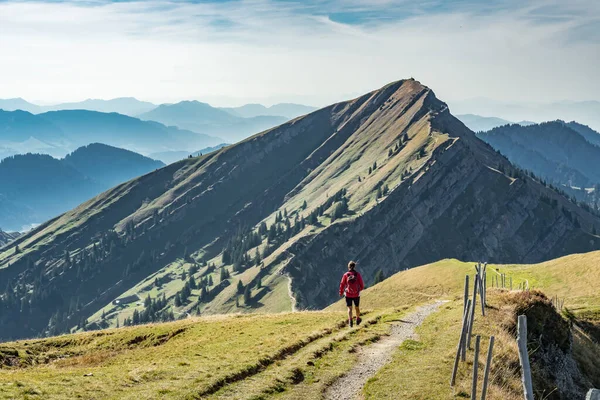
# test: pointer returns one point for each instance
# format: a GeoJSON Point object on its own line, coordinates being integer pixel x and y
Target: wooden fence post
{"type": "Point", "coordinates": [463, 332]}
{"type": "Point", "coordinates": [488, 364]}
{"type": "Point", "coordinates": [524, 358]}
{"type": "Point", "coordinates": [475, 368]}
{"type": "Point", "coordinates": [511, 283]}
{"type": "Point", "coordinates": [471, 317]}
{"type": "Point", "coordinates": [484, 284]}
{"type": "Point", "coordinates": [466, 296]}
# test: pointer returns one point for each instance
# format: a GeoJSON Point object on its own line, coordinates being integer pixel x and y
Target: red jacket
{"type": "Point", "coordinates": [351, 287]}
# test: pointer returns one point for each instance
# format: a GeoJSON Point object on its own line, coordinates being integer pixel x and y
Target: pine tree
{"type": "Point", "coordinates": [247, 295]}
{"type": "Point", "coordinates": [17, 250]}
{"type": "Point", "coordinates": [378, 194]}
{"type": "Point", "coordinates": [257, 258]}
{"type": "Point", "coordinates": [390, 153]}
{"type": "Point", "coordinates": [259, 283]}
{"type": "Point", "coordinates": [240, 287]}
{"type": "Point", "coordinates": [223, 275]}
{"type": "Point", "coordinates": [177, 300]}
{"type": "Point", "coordinates": [370, 170]}
{"type": "Point", "coordinates": [379, 277]}
{"type": "Point", "coordinates": [374, 165]}
{"type": "Point", "coordinates": [304, 205]}
{"type": "Point", "coordinates": [210, 280]}
{"type": "Point", "coordinates": [237, 302]}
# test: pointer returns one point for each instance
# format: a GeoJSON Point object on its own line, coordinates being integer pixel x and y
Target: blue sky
{"type": "Point", "coordinates": [316, 51]}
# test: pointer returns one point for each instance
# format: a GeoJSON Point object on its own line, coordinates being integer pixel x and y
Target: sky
{"type": "Point", "coordinates": [313, 52]}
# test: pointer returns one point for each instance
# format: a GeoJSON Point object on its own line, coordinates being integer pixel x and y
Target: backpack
{"type": "Point", "coordinates": [352, 277]}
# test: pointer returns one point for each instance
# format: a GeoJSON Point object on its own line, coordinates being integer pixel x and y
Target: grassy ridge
{"type": "Point", "coordinates": [165, 360]}
{"type": "Point", "coordinates": [297, 355]}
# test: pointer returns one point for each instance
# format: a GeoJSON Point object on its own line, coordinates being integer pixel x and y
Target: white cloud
{"type": "Point", "coordinates": [259, 50]}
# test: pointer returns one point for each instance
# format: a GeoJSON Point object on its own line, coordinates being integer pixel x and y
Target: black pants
{"type": "Point", "coordinates": [350, 300]}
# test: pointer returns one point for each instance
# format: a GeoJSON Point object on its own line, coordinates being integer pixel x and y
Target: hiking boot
{"type": "Point", "coordinates": [350, 323]}
{"type": "Point", "coordinates": [358, 321]}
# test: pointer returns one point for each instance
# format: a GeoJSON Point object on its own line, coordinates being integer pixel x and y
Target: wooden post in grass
{"type": "Point", "coordinates": [524, 358]}
{"type": "Point", "coordinates": [488, 364]}
{"type": "Point", "coordinates": [471, 319]}
{"type": "Point", "coordinates": [475, 368]}
{"type": "Point", "coordinates": [484, 284]}
{"type": "Point", "coordinates": [511, 283]}
{"type": "Point", "coordinates": [466, 296]}
{"type": "Point", "coordinates": [461, 341]}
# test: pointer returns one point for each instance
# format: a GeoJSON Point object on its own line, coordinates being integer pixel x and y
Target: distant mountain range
{"type": "Point", "coordinates": [59, 132]}
{"type": "Point", "coordinates": [288, 110]}
{"type": "Point", "coordinates": [565, 154]}
{"type": "Point", "coordinates": [123, 105]}
{"type": "Point", "coordinates": [477, 123]}
{"type": "Point", "coordinates": [585, 112]}
{"type": "Point", "coordinates": [230, 123]}
{"type": "Point", "coordinates": [35, 187]}
{"type": "Point", "coordinates": [134, 107]}
{"type": "Point", "coordinates": [201, 117]}
{"type": "Point", "coordinates": [169, 157]}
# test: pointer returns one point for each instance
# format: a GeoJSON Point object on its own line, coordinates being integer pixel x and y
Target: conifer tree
{"type": "Point", "coordinates": [379, 277]}
{"type": "Point", "coordinates": [247, 295]}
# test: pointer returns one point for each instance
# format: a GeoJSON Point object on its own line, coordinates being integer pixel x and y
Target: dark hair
{"type": "Point", "coordinates": [352, 265]}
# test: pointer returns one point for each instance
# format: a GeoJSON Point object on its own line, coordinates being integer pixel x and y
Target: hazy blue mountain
{"type": "Point", "coordinates": [36, 187]}
{"type": "Point", "coordinates": [169, 157]}
{"type": "Point", "coordinates": [477, 123]}
{"type": "Point", "coordinates": [551, 150]}
{"type": "Point", "coordinates": [288, 110]}
{"type": "Point", "coordinates": [7, 237]}
{"type": "Point", "coordinates": [201, 117]}
{"type": "Point", "coordinates": [585, 112]}
{"type": "Point", "coordinates": [19, 104]}
{"type": "Point", "coordinates": [588, 133]}
{"type": "Point", "coordinates": [31, 145]}
{"type": "Point", "coordinates": [19, 126]}
{"type": "Point", "coordinates": [117, 165]}
{"type": "Point", "coordinates": [70, 129]}
{"type": "Point", "coordinates": [123, 105]}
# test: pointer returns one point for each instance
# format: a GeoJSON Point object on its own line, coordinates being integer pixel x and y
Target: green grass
{"type": "Point", "coordinates": [297, 355]}
{"type": "Point", "coordinates": [172, 360]}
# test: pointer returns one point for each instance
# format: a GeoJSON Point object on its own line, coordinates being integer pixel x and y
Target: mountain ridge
{"type": "Point", "coordinates": [390, 178]}
{"type": "Point", "coordinates": [36, 187]}
{"type": "Point", "coordinates": [202, 117]}
{"type": "Point", "coordinates": [70, 129]}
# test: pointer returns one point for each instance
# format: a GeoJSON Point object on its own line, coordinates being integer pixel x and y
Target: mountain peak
{"type": "Point", "coordinates": [390, 179]}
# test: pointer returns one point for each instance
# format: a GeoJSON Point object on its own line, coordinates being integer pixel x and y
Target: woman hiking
{"type": "Point", "coordinates": [351, 285]}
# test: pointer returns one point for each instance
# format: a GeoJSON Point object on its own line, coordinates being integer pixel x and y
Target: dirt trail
{"type": "Point", "coordinates": [371, 358]}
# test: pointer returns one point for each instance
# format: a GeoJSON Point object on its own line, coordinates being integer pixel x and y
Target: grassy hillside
{"type": "Point", "coordinates": [390, 179]}
{"type": "Point", "coordinates": [298, 355]}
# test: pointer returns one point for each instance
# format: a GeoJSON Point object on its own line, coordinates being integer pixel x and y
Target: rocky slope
{"type": "Point", "coordinates": [6, 237]}
{"type": "Point", "coordinates": [391, 179]}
